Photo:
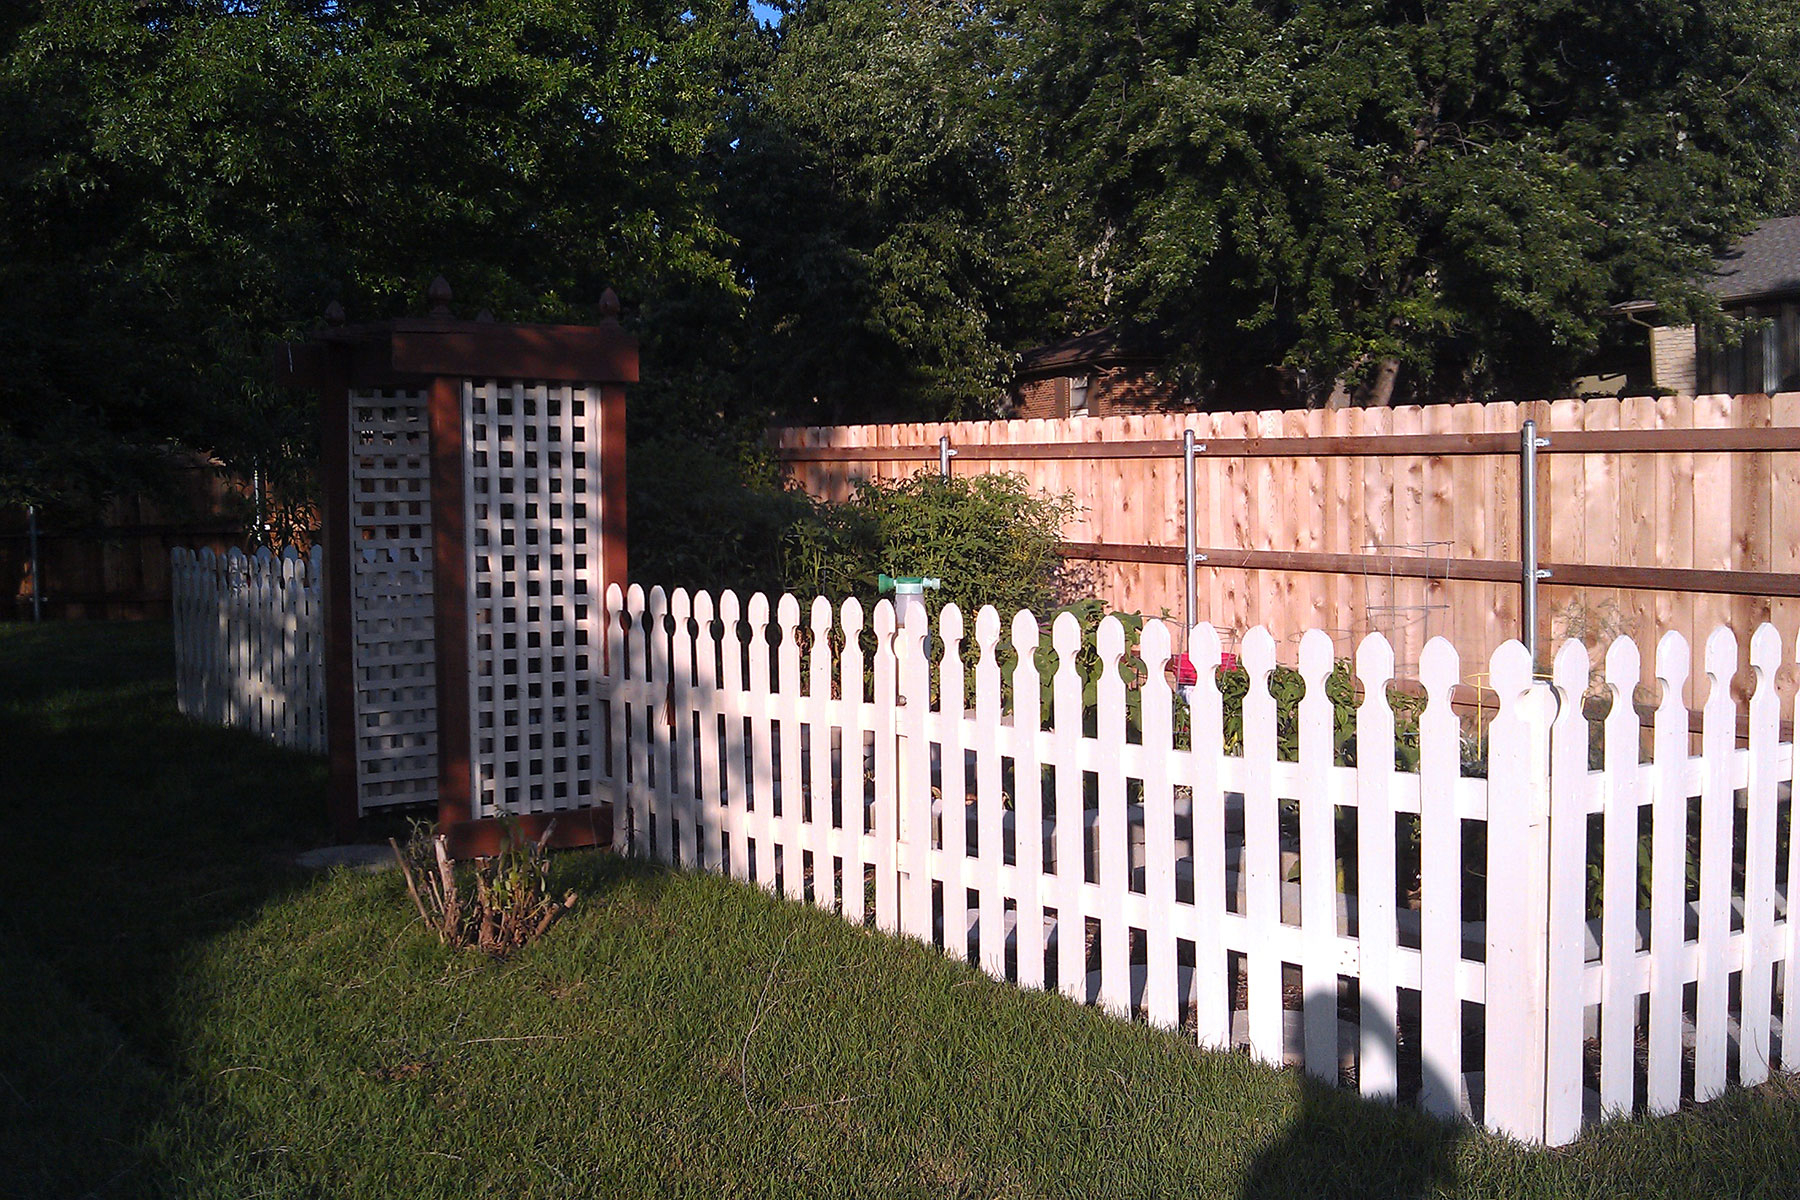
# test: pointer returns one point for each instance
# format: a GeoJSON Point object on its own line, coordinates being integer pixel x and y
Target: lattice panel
{"type": "Point", "coordinates": [394, 655]}
{"type": "Point", "coordinates": [532, 463]}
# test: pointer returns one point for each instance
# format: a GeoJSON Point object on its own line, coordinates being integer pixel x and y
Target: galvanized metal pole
{"type": "Point", "coordinates": [1529, 573]}
{"type": "Point", "coordinates": [37, 579]}
{"type": "Point", "coordinates": [945, 454]}
{"type": "Point", "coordinates": [1189, 559]}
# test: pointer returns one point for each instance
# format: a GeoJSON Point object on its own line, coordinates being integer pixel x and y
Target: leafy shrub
{"type": "Point", "coordinates": [990, 538]}
{"type": "Point", "coordinates": [709, 518]}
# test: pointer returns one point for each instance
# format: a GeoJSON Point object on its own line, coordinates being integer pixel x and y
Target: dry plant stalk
{"type": "Point", "coordinates": [510, 906]}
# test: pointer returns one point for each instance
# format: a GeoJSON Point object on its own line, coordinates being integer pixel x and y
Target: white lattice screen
{"type": "Point", "coordinates": [533, 517]}
{"type": "Point", "coordinates": [393, 656]}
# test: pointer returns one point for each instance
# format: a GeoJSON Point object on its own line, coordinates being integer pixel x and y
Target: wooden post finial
{"type": "Point", "coordinates": [609, 305]}
{"type": "Point", "coordinates": [438, 294]}
{"type": "Point", "coordinates": [334, 313]}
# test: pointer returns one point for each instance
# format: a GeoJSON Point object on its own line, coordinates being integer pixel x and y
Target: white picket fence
{"type": "Point", "coordinates": [1217, 893]}
{"type": "Point", "coordinates": [249, 642]}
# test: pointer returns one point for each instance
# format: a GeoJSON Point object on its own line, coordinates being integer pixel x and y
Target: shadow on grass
{"type": "Point", "coordinates": [136, 836]}
{"type": "Point", "coordinates": [138, 839]}
{"type": "Point", "coordinates": [1344, 1146]}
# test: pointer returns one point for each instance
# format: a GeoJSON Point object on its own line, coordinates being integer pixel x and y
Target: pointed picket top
{"type": "Point", "coordinates": [1026, 698]}
{"type": "Point", "coordinates": [1440, 670]}
{"type": "Point", "coordinates": [818, 668]}
{"type": "Point", "coordinates": [1374, 666]}
{"type": "Point", "coordinates": [263, 555]}
{"type": "Point", "coordinates": [1672, 664]}
{"type": "Point", "coordinates": [1569, 672]}
{"type": "Point", "coordinates": [1623, 670]}
{"type": "Point", "coordinates": [656, 604]}
{"type": "Point", "coordinates": [987, 630]}
{"type": "Point", "coordinates": [1509, 671]}
{"type": "Point", "coordinates": [852, 618]}
{"type": "Point", "coordinates": [634, 605]}
{"type": "Point", "coordinates": [1317, 656]}
{"type": "Point", "coordinates": [950, 628]}
{"type": "Point", "coordinates": [1721, 661]}
{"type": "Point", "coordinates": [884, 620]}
{"type": "Point", "coordinates": [1153, 647]}
{"type": "Point", "coordinates": [1205, 650]}
{"type": "Point", "coordinates": [1025, 635]}
{"type": "Point", "coordinates": [1257, 654]}
{"type": "Point", "coordinates": [730, 612]}
{"type": "Point", "coordinates": [757, 613]}
{"type": "Point", "coordinates": [1765, 654]}
{"type": "Point", "coordinates": [681, 607]}
{"type": "Point", "coordinates": [787, 615]}
{"type": "Point", "coordinates": [1065, 635]}
{"type": "Point", "coordinates": [289, 553]}
{"type": "Point", "coordinates": [703, 612]}
{"type": "Point", "coordinates": [1109, 640]}
{"type": "Point", "coordinates": [615, 599]}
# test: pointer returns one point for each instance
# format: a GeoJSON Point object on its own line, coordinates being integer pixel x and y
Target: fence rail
{"type": "Point", "coordinates": [1637, 441]}
{"type": "Point", "coordinates": [1666, 513]}
{"type": "Point", "coordinates": [1123, 851]}
{"type": "Point", "coordinates": [249, 642]}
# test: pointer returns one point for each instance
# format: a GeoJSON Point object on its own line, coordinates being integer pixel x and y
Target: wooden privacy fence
{"type": "Point", "coordinates": [1488, 945]}
{"type": "Point", "coordinates": [1670, 513]}
{"type": "Point", "coordinates": [249, 642]}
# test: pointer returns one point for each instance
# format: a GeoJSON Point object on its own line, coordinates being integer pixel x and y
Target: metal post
{"type": "Point", "coordinates": [945, 454]}
{"type": "Point", "coordinates": [1190, 559]}
{"type": "Point", "coordinates": [1529, 573]}
{"type": "Point", "coordinates": [37, 578]}
{"type": "Point", "coordinates": [1187, 520]}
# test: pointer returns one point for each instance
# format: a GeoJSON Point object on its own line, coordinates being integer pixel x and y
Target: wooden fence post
{"type": "Point", "coordinates": [913, 772]}
{"type": "Point", "coordinates": [1518, 897]}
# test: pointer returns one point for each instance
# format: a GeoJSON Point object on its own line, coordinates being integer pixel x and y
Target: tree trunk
{"type": "Point", "coordinates": [1381, 388]}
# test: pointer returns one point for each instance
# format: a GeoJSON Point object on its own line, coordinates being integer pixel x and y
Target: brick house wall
{"type": "Point", "coordinates": [1111, 391]}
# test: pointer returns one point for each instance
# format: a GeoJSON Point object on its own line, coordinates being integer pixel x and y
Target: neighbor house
{"type": "Point", "coordinates": [1757, 281]}
{"type": "Point", "coordinates": [1098, 374]}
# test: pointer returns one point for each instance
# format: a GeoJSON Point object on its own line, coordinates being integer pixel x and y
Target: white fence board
{"type": "Point", "coordinates": [249, 642]}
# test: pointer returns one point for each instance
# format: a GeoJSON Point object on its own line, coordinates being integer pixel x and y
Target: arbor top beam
{"type": "Point", "coordinates": [407, 350]}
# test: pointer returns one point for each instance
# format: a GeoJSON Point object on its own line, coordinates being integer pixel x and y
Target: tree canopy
{"type": "Point", "coordinates": [867, 210]}
{"type": "Point", "coordinates": [189, 181]}
{"type": "Point", "coordinates": [1444, 193]}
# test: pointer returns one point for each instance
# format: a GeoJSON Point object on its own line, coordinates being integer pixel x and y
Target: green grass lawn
{"type": "Point", "coordinates": [183, 1013]}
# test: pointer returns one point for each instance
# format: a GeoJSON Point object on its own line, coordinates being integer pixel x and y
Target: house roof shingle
{"type": "Point", "coordinates": [1765, 263]}
{"type": "Point", "coordinates": [1111, 346]}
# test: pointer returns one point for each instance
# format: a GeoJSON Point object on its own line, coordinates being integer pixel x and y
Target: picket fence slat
{"type": "Point", "coordinates": [1759, 865]}
{"type": "Point", "coordinates": [1668, 878]}
{"type": "Point", "coordinates": [1623, 797]}
{"type": "Point", "coordinates": [1570, 786]}
{"type": "Point", "coordinates": [249, 642]}
{"type": "Point", "coordinates": [1440, 877]}
{"type": "Point", "coordinates": [1717, 808]}
{"type": "Point", "coordinates": [1318, 864]}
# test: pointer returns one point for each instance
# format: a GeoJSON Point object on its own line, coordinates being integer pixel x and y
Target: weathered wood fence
{"type": "Point", "coordinates": [249, 642]}
{"type": "Point", "coordinates": [1482, 939]}
{"type": "Point", "coordinates": [1672, 513]}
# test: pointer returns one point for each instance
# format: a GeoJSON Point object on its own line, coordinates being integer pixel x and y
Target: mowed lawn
{"type": "Point", "coordinates": [185, 1013]}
